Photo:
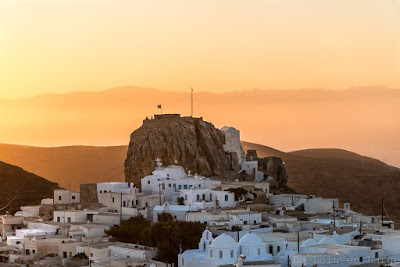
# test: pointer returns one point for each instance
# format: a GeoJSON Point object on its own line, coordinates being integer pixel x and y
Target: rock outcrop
{"type": "Point", "coordinates": [196, 144]}
{"type": "Point", "coordinates": [271, 166]}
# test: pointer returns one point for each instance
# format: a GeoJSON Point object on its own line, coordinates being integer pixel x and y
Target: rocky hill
{"type": "Point", "coordinates": [19, 187]}
{"type": "Point", "coordinates": [196, 144]}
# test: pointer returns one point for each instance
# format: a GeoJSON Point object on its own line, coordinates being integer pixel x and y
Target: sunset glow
{"type": "Point", "coordinates": [72, 45]}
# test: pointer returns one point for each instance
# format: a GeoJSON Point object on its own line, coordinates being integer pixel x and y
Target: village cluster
{"type": "Point", "coordinates": [246, 224]}
{"type": "Point", "coordinates": [292, 230]}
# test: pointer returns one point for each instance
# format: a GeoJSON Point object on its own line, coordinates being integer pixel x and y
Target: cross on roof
{"type": "Point", "coordinates": [158, 160]}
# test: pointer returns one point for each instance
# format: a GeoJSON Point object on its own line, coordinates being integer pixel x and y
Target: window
{"type": "Point", "coordinates": [33, 251]}
{"type": "Point", "coordinates": [73, 197]}
{"type": "Point", "coordinates": [163, 186]}
{"type": "Point", "coordinates": [148, 182]}
{"type": "Point", "coordinates": [361, 259]}
{"type": "Point", "coordinates": [113, 200]}
{"type": "Point", "coordinates": [376, 254]}
{"type": "Point", "coordinates": [169, 185]}
{"type": "Point", "coordinates": [278, 249]}
{"type": "Point", "coordinates": [101, 191]}
{"type": "Point", "coordinates": [204, 246]}
{"type": "Point", "coordinates": [183, 261]}
{"type": "Point", "coordinates": [70, 254]}
{"type": "Point", "coordinates": [204, 196]}
{"type": "Point", "coordinates": [91, 254]}
{"type": "Point", "coordinates": [58, 219]}
{"type": "Point", "coordinates": [185, 186]}
{"type": "Point", "coordinates": [69, 219]}
{"type": "Point", "coordinates": [146, 205]}
{"type": "Point", "coordinates": [226, 197]}
{"type": "Point", "coordinates": [185, 197]}
{"type": "Point", "coordinates": [211, 255]}
{"type": "Point", "coordinates": [124, 203]}
{"type": "Point", "coordinates": [59, 197]}
{"type": "Point", "coordinates": [221, 254]}
{"type": "Point", "coordinates": [18, 242]}
{"type": "Point", "coordinates": [180, 187]}
{"type": "Point", "coordinates": [64, 254]}
{"type": "Point", "coordinates": [271, 249]}
{"type": "Point", "coordinates": [232, 254]}
{"type": "Point", "coordinates": [245, 222]}
{"type": "Point", "coordinates": [259, 252]}
{"type": "Point", "coordinates": [198, 197]}
{"type": "Point", "coordinates": [137, 202]}
{"type": "Point", "coordinates": [133, 203]}
{"type": "Point", "coordinates": [255, 221]}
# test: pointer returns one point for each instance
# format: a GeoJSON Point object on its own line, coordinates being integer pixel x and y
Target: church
{"type": "Point", "coordinates": [225, 251]}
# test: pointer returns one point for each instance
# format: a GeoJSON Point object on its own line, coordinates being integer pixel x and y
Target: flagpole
{"type": "Point", "coordinates": [191, 98]}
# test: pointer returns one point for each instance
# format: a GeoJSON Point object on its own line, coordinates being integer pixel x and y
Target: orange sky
{"type": "Point", "coordinates": [225, 45]}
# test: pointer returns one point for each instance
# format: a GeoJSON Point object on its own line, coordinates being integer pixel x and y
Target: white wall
{"type": "Point", "coordinates": [62, 196]}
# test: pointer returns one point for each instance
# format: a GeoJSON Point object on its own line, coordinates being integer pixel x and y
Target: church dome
{"type": "Point", "coordinates": [328, 241]}
{"type": "Point", "coordinates": [309, 242]}
{"type": "Point", "coordinates": [251, 240]}
{"type": "Point", "coordinates": [223, 241]}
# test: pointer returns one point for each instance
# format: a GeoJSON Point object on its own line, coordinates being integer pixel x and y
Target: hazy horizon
{"type": "Point", "coordinates": [359, 119]}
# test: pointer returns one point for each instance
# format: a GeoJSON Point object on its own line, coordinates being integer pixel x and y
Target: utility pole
{"type": "Point", "coordinates": [120, 213]}
{"type": "Point", "coordinates": [298, 242]}
{"type": "Point", "coordinates": [159, 193]}
{"type": "Point", "coordinates": [333, 210]}
{"type": "Point", "coordinates": [382, 211]}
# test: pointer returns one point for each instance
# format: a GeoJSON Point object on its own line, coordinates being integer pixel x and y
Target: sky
{"type": "Point", "coordinates": [49, 46]}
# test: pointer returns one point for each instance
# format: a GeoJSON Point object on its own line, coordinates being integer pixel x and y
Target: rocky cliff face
{"type": "Point", "coordinates": [196, 144]}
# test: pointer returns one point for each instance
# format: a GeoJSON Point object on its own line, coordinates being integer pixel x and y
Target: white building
{"type": "Point", "coordinates": [178, 212]}
{"type": "Point", "coordinates": [232, 143]}
{"type": "Point", "coordinates": [251, 168]}
{"type": "Point", "coordinates": [224, 251]}
{"type": "Point", "coordinates": [170, 180]}
{"type": "Point", "coordinates": [208, 198]}
{"type": "Point", "coordinates": [73, 216]}
{"type": "Point", "coordinates": [115, 187]}
{"type": "Point", "coordinates": [329, 253]}
{"type": "Point", "coordinates": [64, 196]}
{"type": "Point", "coordinates": [244, 217]}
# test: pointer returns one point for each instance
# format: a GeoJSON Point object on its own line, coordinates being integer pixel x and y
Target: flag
{"type": "Point", "coordinates": [159, 106]}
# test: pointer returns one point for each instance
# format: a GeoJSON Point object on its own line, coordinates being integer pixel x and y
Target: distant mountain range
{"type": "Point", "coordinates": [353, 178]}
{"type": "Point", "coordinates": [360, 119]}
{"type": "Point", "coordinates": [19, 187]}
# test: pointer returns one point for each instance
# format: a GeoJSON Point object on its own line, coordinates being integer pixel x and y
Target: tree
{"type": "Point", "coordinates": [181, 201]}
{"type": "Point", "coordinates": [167, 235]}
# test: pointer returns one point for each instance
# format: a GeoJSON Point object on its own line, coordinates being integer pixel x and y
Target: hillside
{"type": "Point", "coordinates": [353, 178]}
{"type": "Point", "coordinates": [360, 180]}
{"type": "Point", "coordinates": [71, 165]}
{"type": "Point", "coordinates": [360, 119]}
{"type": "Point", "coordinates": [21, 188]}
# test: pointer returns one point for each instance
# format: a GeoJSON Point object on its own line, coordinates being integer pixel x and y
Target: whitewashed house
{"type": "Point", "coordinates": [178, 212]}
{"type": "Point", "coordinates": [170, 180]}
{"type": "Point", "coordinates": [65, 196]}
{"type": "Point", "coordinates": [208, 198]}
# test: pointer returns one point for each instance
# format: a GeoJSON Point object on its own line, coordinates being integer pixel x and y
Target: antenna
{"type": "Point", "coordinates": [191, 102]}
